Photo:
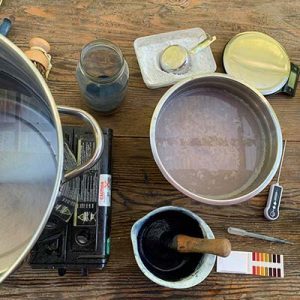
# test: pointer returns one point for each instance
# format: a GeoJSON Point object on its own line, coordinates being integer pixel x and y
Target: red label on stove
{"type": "Point", "coordinates": [104, 198]}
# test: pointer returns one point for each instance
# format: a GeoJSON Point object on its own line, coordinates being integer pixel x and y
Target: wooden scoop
{"type": "Point", "coordinates": [186, 244]}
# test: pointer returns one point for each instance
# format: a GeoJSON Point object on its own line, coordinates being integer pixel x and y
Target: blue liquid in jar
{"type": "Point", "coordinates": [102, 75]}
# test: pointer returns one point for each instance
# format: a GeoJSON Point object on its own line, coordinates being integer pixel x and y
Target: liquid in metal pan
{"type": "Point", "coordinates": [211, 142]}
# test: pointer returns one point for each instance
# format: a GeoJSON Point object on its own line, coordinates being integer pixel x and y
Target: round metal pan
{"type": "Point", "coordinates": [216, 139]}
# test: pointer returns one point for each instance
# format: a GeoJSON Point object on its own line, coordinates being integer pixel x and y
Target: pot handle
{"type": "Point", "coordinates": [98, 140]}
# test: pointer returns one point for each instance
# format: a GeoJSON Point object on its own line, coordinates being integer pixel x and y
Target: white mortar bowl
{"type": "Point", "coordinates": [206, 262]}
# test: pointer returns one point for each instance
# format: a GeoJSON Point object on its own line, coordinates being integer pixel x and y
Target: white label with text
{"type": "Point", "coordinates": [104, 198]}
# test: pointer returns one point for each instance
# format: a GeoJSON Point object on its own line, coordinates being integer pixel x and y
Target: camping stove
{"type": "Point", "coordinates": [77, 234]}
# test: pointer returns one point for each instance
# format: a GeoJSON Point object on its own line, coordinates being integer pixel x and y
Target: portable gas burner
{"type": "Point", "coordinates": [77, 235]}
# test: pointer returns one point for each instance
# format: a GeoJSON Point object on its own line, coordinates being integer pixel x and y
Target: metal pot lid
{"type": "Point", "coordinates": [31, 155]}
{"type": "Point", "coordinates": [258, 60]}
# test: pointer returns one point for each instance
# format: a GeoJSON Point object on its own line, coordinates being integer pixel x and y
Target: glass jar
{"type": "Point", "coordinates": [102, 74]}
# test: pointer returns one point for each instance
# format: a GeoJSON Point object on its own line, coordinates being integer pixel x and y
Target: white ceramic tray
{"type": "Point", "coordinates": [149, 48]}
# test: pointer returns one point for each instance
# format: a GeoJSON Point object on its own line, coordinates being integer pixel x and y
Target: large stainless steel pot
{"type": "Point", "coordinates": [216, 139]}
{"type": "Point", "coordinates": [31, 154]}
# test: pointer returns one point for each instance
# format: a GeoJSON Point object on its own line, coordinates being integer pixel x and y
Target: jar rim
{"type": "Point", "coordinates": [104, 43]}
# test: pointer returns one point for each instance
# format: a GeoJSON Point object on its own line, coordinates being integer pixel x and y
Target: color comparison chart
{"type": "Point", "coordinates": [255, 263]}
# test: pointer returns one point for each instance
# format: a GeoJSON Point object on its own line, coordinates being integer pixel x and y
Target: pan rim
{"type": "Point", "coordinates": [184, 190]}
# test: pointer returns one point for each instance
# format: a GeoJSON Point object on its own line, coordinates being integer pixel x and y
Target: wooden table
{"type": "Point", "coordinates": [138, 185]}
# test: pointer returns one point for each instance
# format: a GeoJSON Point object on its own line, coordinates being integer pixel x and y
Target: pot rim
{"type": "Point", "coordinates": [185, 191]}
{"type": "Point", "coordinates": [205, 265]}
{"type": "Point", "coordinates": [60, 149]}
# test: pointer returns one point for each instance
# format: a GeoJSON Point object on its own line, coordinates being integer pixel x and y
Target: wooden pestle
{"type": "Point", "coordinates": [187, 244]}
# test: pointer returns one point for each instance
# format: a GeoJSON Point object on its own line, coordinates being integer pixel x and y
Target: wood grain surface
{"type": "Point", "coordinates": [138, 185]}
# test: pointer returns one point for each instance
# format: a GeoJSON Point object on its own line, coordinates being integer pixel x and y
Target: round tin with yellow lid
{"type": "Point", "coordinates": [258, 60]}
